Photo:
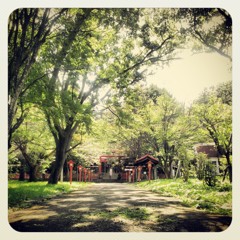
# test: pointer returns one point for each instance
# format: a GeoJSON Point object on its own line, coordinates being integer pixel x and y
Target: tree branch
{"type": "Point", "coordinates": [200, 37]}
{"type": "Point", "coordinates": [70, 149]}
{"type": "Point", "coordinates": [32, 83]}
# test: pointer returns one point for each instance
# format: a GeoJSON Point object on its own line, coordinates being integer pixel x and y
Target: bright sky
{"type": "Point", "coordinates": [186, 78]}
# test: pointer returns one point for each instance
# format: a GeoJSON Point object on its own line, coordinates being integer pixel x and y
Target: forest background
{"type": "Point", "coordinates": [78, 76]}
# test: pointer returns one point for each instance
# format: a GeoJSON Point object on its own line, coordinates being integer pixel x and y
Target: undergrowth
{"type": "Point", "coordinates": [194, 193]}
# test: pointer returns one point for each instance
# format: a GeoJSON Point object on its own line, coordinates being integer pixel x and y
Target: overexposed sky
{"type": "Point", "coordinates": [186, 78]}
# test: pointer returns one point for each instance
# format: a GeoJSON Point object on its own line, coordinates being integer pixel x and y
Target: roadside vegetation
{"type": "Point", "coordinates": [24, 194]}
{"type": "Point", "coordinates": [194, 193]}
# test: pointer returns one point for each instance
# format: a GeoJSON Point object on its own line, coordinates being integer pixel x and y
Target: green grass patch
{"type": "Point", "coordinates": [194, 193]}
{"type": "Point", "coordinates": [129, 213]}
{"type": "Point", "coordinates": [22, 194]}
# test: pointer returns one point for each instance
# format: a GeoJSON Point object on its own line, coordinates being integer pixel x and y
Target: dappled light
{"type": "Point", "coordinates": [120, 119]}
{"type": "Point", "coordinates": [115, 207]}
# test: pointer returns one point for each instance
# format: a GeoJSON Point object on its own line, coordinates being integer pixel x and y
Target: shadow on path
{"type": "Point", "coordinates": [115, 207]}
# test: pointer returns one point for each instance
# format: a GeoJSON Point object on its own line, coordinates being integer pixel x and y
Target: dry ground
{"type": "Point", "coordinates": [114, 207]}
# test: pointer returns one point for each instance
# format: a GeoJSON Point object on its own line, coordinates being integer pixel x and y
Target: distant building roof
{"type": "Point", "coordinates": [209, 150]}
{"type": "Point", "coordinates": [145, 159]}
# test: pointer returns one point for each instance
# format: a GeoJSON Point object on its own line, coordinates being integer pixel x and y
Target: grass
{"type": "Point", "coordinates": [22, 194]}
{"type": "Point", "coordinates": [194, 193]}
{"type": "Point", "coordinates": [128, 213]}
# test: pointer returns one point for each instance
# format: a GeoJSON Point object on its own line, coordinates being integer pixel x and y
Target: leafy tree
{"type": "Point", "coordinates": [211, 27]}
{"type": "Point", "coordinates": [215, 118]}
{"type": "Point", "coordinates": [164, 129]}
{"type": "Point", "coordinates": [224, 92]}
{"type": "Point", "coordinates": [28, 30]}
{"type": "Point", "coordinates": [151, 122]}
{"type": "Point", "coordinates": [34, 144]}
{"type": "Point", "coordinates": [90, 55]}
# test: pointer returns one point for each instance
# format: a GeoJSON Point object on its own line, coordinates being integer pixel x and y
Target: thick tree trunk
{"type": "Point", "coordinates": [32, 165]}
{"type": "Point", "coordinates": [33, 173]}
{"type": "Point", "coordinates": [61, 149]}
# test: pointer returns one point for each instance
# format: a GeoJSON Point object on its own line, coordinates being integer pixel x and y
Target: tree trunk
{"type": "Point", "coordinates": [12, 109]}
{"type": "Point", "coordinates": [21, 170]}
{"type": "Point", "coordinates": [229, 168]}
{"type": "Point", "coordinates": [230, 173]}
{"type": "Point", "coordinates": [33, 173]}
{"type": "Point", "coordinates": [61, 149]}
{"type": "Point", "coordinates": [167, 172]}
{"type": "Point", "coordinates": [171, 173]}
{"type": "Point", "coordinates": [32, 165]}
{"type": "Point", "coordinates": [178, 170]}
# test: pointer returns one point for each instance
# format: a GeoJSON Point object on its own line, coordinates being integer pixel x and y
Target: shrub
{"type": "Point", "coordinates": [201, 164]}
{"type": "Point", "coordinates": [210, 175]}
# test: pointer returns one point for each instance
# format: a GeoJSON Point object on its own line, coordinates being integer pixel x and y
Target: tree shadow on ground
{"type": "Point", "coordinates": [96, 210]}
{"type": "Point", "coordinates": [68, 224]}
{"type": "Point", "coordinates": [190, 222]}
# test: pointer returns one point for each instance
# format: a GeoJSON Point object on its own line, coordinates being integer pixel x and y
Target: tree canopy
{"type": "Point", "coordinates": [84, 70]}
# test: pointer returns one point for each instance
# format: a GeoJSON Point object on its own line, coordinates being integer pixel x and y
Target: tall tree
{"type": "Point", "coordinates": [28, 30]}
{"type": "Point", "coordinates": [215, 118]}
{"type": "Point", "coordinates": [165, 131]}
{"type": "Point", "coordinates": [91, 54]}
{"type": "Point", "coordinates": [151, 120]}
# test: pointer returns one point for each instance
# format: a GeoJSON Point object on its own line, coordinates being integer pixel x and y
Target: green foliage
{"type": "Point", "coordinates": [33, 144]}
{"type": "Point", "coordinates": [194, 193]}
{"type": "Point", "coordinates": [214, 118]}
{"type": "Point", "coordinates": [23, 194]}
{"type": "Point", "coordinates": [137, 214]}
{"type": "Point", "coordinates": [201, 159]}
{"type": "Point", "coordinates": [224, 92]}
{"type": "Point", "coordinates": [90, 52]}
{"type": "Point", "coordinates": [210, 27]}
{"type": "Point", "coordinates": [28, 30]}
{"type": "Point", "coordinates": [151, 120]}
{"type": "Point", "coordinates": [185, 159]}
{"type": "Point", "coordinates": [210, 174]}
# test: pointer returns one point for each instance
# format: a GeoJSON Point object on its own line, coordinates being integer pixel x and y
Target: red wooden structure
{"type": "Point", "coordinates": [80, 173]}
{"type": "Point", "coordinates": [147, 161]}
{"type": "Point", "coordinates": [104, 158]}
{"type": "Point", "coordinates": [139, 168]}
{"type": "Point", "coordinates": [85, 174]}
{"type": "Point", "coordinates": [70, 163]}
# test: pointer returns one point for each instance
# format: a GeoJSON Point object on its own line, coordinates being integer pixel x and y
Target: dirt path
{"type": "Point", "coordinates": [114, 207]}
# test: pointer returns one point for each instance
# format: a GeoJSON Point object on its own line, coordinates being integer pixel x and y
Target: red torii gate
{"type": "Point", "coordinates": [104, 158]}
